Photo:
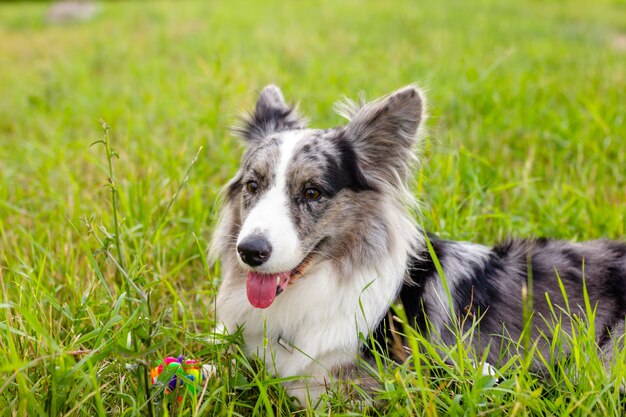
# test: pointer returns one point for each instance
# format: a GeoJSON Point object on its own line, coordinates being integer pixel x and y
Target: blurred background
{"type": "Point", "coordinates": [515, 88]}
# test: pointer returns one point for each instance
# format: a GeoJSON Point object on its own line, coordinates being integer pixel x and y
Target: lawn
{"type": "Point", "coordinates": [102, 245]}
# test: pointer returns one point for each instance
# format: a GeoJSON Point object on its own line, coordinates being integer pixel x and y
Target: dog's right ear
{"type": "Point", "coordinates": [383, 133]}
{"type": "Point", "coordinates": [271, 114]}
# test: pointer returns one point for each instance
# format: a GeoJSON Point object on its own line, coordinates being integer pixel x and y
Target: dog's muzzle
{"type": "Point", "coordinates": [254, 250]}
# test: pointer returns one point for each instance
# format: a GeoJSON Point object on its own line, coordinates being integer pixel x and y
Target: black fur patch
{"type": "Point", "coordinates": [606, 336]}
{"type": "Point", "coordinates": [267, 120]}
{"type": "Point", "coordinates": [503, 248]}
{"type": "Point", "coordinates": [233, 189]}
{"type": "Point", "coordinates": [420, 270]}
{"type": "Point", "coordinates": [614, 288]}
{"type": "Point", "coordinates": [343, 171]}
{"type": "Point", "coordinates": [574, 257]}
{"type": "Point", "coordinates": [616, 277]}
{"type": "Point", "coordinates": [477, 292]}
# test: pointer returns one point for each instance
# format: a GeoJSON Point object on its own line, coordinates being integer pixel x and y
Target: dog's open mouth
{"type": "Point", "coordinates": [262, 289]}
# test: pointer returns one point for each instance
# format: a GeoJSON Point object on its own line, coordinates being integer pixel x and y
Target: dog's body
{"type": "Point", "coordinates": [317, 241]}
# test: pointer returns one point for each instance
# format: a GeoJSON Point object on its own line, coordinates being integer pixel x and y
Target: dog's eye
{"type": "Point", "coordinates": [252, 187]}
{"type": "Point", "coordinates": [312, 194]}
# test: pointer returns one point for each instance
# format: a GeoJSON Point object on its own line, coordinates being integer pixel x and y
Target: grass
{"type": "Point", "coordinates": [102, 248]}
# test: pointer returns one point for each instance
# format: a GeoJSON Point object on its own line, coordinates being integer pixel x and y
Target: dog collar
{"type": "Point", "coordinates": [288, 346]}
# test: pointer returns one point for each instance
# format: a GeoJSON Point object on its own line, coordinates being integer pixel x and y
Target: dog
{"type": "Point", "coordinates": [317, 241]}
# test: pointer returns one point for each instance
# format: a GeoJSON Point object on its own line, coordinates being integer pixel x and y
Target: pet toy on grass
{"type": "Point", "coordinates": [177, 372]}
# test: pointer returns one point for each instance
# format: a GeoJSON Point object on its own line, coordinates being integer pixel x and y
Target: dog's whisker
{"type": "Point", "coordinates": [328, 256]}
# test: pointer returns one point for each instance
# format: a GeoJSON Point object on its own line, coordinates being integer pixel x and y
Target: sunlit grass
{"type": "Point", "coordinates": [526, 137]}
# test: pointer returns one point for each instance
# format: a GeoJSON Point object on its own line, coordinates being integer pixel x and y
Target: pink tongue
{"type": "Point", "coordinates": [261, 289]}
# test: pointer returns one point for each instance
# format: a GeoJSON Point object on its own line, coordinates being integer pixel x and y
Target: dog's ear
{"type": "Point", "coordinates": [383, 133]}
{"type": "Point", "coordinates": [271, 114]}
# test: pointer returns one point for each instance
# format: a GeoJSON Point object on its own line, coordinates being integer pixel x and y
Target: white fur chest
{"type": "Point", "coordinates": [314, 325]}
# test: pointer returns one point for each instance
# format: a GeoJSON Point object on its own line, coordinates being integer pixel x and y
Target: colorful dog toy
{"type": "Point", "coordinates": [183, 372]}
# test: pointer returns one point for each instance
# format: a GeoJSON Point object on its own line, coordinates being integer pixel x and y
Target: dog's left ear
{"type": "Point", "coordinates": [383, 133]}
{"type": "Point", "coordinates": [271, 114]}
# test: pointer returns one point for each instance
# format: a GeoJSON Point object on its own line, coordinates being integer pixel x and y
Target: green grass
{"type": "Point", "coordinates": [527, 137]}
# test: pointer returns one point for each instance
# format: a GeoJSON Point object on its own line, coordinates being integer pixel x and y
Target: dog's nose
{"type": "Point", "coordinates": [254, 250]}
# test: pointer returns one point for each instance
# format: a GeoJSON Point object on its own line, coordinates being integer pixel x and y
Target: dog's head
{"type": "Point", "coordinates": [303, 195]}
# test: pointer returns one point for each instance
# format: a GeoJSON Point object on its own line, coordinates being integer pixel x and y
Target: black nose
{"type": "Point", "coordinates": [254, 250]}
